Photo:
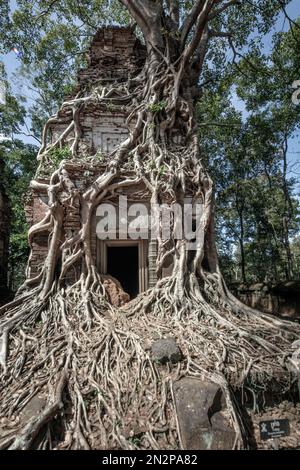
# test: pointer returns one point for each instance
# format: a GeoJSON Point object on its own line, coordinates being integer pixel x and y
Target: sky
{"type": "Point", "coordinates": [12, 62]}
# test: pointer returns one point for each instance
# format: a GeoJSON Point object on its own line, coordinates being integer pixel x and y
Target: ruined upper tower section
{"type": "Point", "coordinates": [114, 54]}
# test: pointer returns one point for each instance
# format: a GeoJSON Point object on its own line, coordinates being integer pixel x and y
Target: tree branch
{"type": "Point", "coordinates": [173, 6]}
{"type": "Point", "coordinates": [201, 26]}
{"type": "Point", "coordinates": [191, 19]}
{"type": "Point", "coordinates": [147, 14]}
{"type": "Point", "coordinates": [201, 50]}
{"type": "Point", "coordinates": [290, 20]}
{"type": "Point", "coordinates": [46, 11]}
{"type": "Point", "coordinates": [137, 11]}
{"type": "Point", "coordinates": [219, 34]}
{"type": "Point", "coordinates": [224, 7]}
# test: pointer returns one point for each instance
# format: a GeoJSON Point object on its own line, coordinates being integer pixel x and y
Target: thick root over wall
{"type": "Point", "coordinates": [92, 364]}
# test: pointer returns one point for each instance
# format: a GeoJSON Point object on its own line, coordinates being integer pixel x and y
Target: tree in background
{"type": "Point", "coordinates": [257, 207]}
{"type": "Point", "coordinates": [19, 169]}
{"type": "Point", "coordinates": [268, 98]}
{"type": "Point", "coordinates": [19, 163]}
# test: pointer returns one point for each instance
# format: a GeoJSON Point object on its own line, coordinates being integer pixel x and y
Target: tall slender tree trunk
{"type": "Point", "coordinates": [288, 211]}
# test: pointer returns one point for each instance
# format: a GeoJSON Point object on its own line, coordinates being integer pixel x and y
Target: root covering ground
{"type": "Point", "coordinates": [92, 364]}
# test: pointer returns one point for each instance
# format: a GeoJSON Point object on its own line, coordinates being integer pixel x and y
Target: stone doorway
{"type": "Point", "coordinates": [123, 264]}
{"type": "Point", "coordinates": [125, 260]}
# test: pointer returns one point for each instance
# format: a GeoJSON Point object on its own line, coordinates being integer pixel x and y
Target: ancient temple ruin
{"type": "Point", "coordinates": [160, 362]}
{"type": "Point", "coordinates": [4, 238]}
{"type": "Point", "coordinates": [115, 55]}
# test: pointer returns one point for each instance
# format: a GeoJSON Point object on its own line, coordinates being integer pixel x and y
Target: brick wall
{"type": "Point", "coordinates": [279, 299]}
{"type": "Point", "coordinates": [115, 55]}
{"type": "Point", "coordinates": [82, 175]}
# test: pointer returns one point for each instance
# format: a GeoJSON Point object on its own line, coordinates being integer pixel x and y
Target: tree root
{"type": "Point", "coordinates": [117, 397]}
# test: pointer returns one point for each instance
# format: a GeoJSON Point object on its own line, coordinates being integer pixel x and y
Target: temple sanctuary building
{"type": "Point", "coordinates": [115, 56]}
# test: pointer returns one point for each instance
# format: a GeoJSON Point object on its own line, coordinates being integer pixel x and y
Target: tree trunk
{"type": "Point", "coordinates": [287, 213]}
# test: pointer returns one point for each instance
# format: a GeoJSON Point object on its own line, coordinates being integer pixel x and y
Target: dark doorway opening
{"type": "Point", "coordinates": [123, 264]}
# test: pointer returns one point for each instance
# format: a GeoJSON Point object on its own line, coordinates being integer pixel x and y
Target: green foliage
{"type": "Point", "coordinates": [295, 247]}
{"type": "Point", "coordinates": [57, 155]}
{"type": "Point", "coordinates": [135, 441]}
{"type": "Point", "coordinates": [68, 89]}
{"type": "Point", "coordinates": [54, 36]}
{"type": "Point", "coordinates": [12, 114]}
{"type": "Point", "coordinates": [257, 208]}
{"type": "Point", "coordinates": [161, 170]}
{"type": "Point", "coordinates": [20, 167]}
{"type": "Point", "coordinates": [99, 156]}
{"type": "Point", "coordinates": [157, 107]}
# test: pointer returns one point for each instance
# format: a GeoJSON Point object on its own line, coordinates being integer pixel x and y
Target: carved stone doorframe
{"type": "Point", "coordinates": [102, 246]}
